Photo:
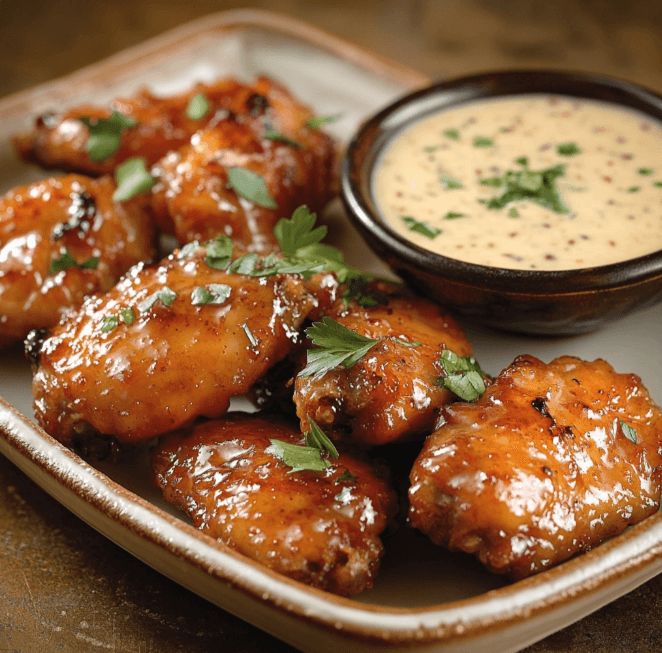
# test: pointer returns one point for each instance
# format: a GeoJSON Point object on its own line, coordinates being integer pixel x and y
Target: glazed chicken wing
{"type": "Point", "coordinates": [550, 461]}
{"type": "Point", "coordinates": [391, 393]}
{"type": "Point", "coordinates": [319, 527]}
{"type": "Point", "coordinates": [162, 124]}
{"type": "Point", "coordinates": [60, 240]}
{"type": "Point", "coordinates": [170, 342]}
{"type": "Point", "coordinates": [197, 195]}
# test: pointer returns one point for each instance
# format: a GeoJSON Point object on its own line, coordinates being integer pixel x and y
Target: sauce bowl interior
{"type": "Point", "coordinates": [475, 290]}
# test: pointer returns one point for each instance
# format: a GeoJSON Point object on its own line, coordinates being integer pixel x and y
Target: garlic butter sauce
{"type": "Point", "coordinates": [532, 182]}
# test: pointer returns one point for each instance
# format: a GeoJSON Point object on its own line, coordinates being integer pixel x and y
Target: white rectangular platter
{"type": "Point", "coordinates": [426, 599]}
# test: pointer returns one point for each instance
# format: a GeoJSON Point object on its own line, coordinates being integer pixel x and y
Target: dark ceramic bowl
{"type": "Point", "coordinates": [536, 302]}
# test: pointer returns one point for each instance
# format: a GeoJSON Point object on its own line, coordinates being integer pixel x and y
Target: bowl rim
{"type": "Point", "coordinates": [363, 153]}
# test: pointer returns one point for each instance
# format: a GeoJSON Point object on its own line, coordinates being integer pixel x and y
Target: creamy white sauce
{"type": "Point", "coordinates": [448, 175]}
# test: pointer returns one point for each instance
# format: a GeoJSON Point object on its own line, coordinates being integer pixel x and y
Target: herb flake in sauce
{"type": "Point", "coordinates": [197, 107]}
{"type": "Point", "coordinates": [250, 186]}
{"type": "Point", "coordinates": [105, 134]}
{"type": "Point", "coordinates": [420, 227]}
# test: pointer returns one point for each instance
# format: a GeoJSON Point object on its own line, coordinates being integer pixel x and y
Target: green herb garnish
{"type": "Point", "coordinates": [346, 477]}
{"type": "Point", "coordinates": [335, 345]}
{"type": "Point", "coordinates": [451, 215]}
{"type": "Point", "coordinates": [219, 253]}
{"type": "Point", "coordinates": [273, 135]}
{"type": "Point", "coordinates": [535, 186]}
{"type": "Point", "coordinates": [522, 161]}
{"type": "Point", "coordinates": [463, 375]}
{"type": "Point", "coordinates": [250, 186]}
{"type": "Point", "coordinates": [105, 134]}
{"type": "Point", "coordinates": [420, 227]}
{"type": "Point", "coordinates": [132, 178]}
{"type": "Point", "coordinates": [127, 315]}
{"type": "Point", "coordinates": [453, 134]}
{"type": "Point", "coordinates": [645, 171]}
{"type": "Point", "coordinates": [450, 183]}
{"type": "Point", "coordinates": [628, 432]}
{"type": "Point", "coordinates": [66, 261]}
{"type": "Point", "coordinates": [213, 293]}
{"type": "Point", "coordinates": [166, 296]}
{"type": "Point", "coordinates": [513, 213]}
{"type": "Point", "coordinates": [494, 182]}
{"type": "Point", "coordinates": [109, 323]}
{"type": "Point", "coordinates": [317, 121]}
{"type": "Point", "coordinates": [317, 438]}
{"type": "Point", "coordinates": [657, 184]}
{"type": "Point", "coordinates": [298, 457]}
{"type": "Point", "coordinates": [197, 107]}
{"type": "Point", "coordinates": [430, 148]}
{"type": "Point", "coordinates": [568, 149]}
{"type": "Point", "coordinates": [481, 141]}
{"type": "Point", "coordinates": [634, 189]}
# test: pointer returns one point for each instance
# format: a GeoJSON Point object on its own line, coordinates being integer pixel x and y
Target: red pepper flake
{"type": "Point", "coordinates": [571, 241]}
{"type": "Point", "coordinates": [599, 130]}
{"type": "Point", "coordinates": [512, 234]}
{"type": "Point", "coordinates": [612, 243]}
{"type": "Point", "coordinates": [546, 225]}
{"type": "Point", "coordinates": [584, 237]}
{"type": "Point", "coordinates": [550, 257]}
{"type": "Point", "coordinates": [610, 163]}
{"type": "Point", "coordinates": [627, 157]}
{"type": "Point", "coordinates": [490, 245]}
{"type": "Point", "coordinates": [607, 178]}
{"type": "Point", "coordinates": [611, 202]}
{"type": "Point", "coordinates": [621, 140]}
{"type": "Point", "coordinates": [399, 194]}
{"type": "Point", "coordinates": [479, 171]}
{"type": "Point", "coordinates": [566, 114]}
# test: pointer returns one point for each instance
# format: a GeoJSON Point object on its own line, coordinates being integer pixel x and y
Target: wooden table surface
{"type": "Point", "coordinates": [64, 587]}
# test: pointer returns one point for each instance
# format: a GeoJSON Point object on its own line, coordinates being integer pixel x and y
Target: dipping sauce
{"type": "Point", "coordinates": [532, 182]}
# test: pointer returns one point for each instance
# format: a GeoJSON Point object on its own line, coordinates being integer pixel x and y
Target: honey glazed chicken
{"type": "Point", "coordinates": [318, 527]}
{"type": "Point", "coordinates": [62, 239]}
{"type": "Point", "coordinates": [550, 461]}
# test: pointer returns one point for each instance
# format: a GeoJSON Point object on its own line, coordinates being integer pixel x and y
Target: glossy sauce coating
{"type": "Point", "coordinates": [60, 140]}
{"type": "Point", "coordinates": [42, 221]}
{"type": "Point", "coordinates": [193, 198]}
{"type": "Point", "coordinates": [172, 363]}
{"type": "Point", "coordinates": [540, 468]}
{"type": "Point", "coordinates": [391, 393]}
{"type": "Point", "coordinates": [312, 526]}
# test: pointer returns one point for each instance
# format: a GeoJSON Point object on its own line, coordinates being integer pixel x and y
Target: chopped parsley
{"type": "Point", "coordinates": [109, 322]}
{"type": "Point", "coordinates": [166, 296]}
{"type": "Point", "coordinates": [453, 134]}
{"type": "Point", "coordinates": [481, 141]}
{"type": "Point", "coordinates": [450, 183]}
{"type": "Point", "coordinates": [451, 215]}
{"type": "Point", "coordinates": [513, 213]}
{"type": "Point", "coordinates": [318, 121]}
{"type": "Point", "coordinates": [420, 227]}
{"type": "Point", "coordinates": [645, 171]}
{"type": "Point", "coordinates": [132, 178]}
{"type": "Point", "coordinates": [494, 182]}
{"type": "Point", "coordinates": [317, 438]}
{"type": "Point", "coordinates": [535, 186]}
{"type": "Point", "coordinates": [634, 189]}
{"type": "Point", "coordinates": [213, 293]}
{"type": "Point", "coordinates": [463, 376]}
{"type": "Point", "coordinates": [250, 186]}
{"type": "Point", "coordinates": [568, 149]}
{"type": "Point", "coordinates": [335, 345]}
{"type": "Point", "coordinates": [346, 477]}
{"type": "Point", "coordinates": [197, 107]}
{"type": "Point", "coordinates": [300, 458]}
{"type": "Point", "coordinates": [66, 261]}
{"type": "Point", "coordinates": [657, 184]}
{"type": "Point", "coordinates": [628, 432]}
{"type": "Point", "coordinates": [219, 252]}
{"type": "Point", "coordinates": [273, 135]}
{"type": "Point", "coordinates": [105, 134]}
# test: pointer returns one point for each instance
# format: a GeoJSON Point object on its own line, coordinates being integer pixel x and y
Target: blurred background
{"type": "Point", "coordinates": [42, 40]}
{"type": "Point", "coordinates": [65, 588]}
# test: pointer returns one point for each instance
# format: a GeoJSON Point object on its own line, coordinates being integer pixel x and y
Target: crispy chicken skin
{"type": "Point", "coordinates": [221, 474]}
{"type": "Point", "coordinates": [42, 221]}
{"type": "Point", "coordinates": [540, 468]}
{"type": "Point", "coordinates": [193, 198]}
{"type": "Point", "coordinates": [171, 363]}
{"type": "Point", "coordinates": [60, 140]}
{"type": "Point", "coordinates": [390, 394]}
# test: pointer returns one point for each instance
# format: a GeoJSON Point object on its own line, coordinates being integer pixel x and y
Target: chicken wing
{"type": "Point", "coordinates": [170, 342]}
{"type": "Point", "coordinates": [195, 197]}
{"type": "Point", "coordinates": [318, 527]}
{"type": "Point", "coordinates": [391, 393]}
{"type": "Point", "coordinates": [550, 461]}
{"type": "Point", "coordinates": [60, 240]}
{"type": "Point", "coordinates": [162, 124]}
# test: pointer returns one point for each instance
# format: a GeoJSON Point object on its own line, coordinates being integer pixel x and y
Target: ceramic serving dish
{"type": "Point", "coordinates": [526, 301]}
{"type": "Point", "coordinates": [425, 599]}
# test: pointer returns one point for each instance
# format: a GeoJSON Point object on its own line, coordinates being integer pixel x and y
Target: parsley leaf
{"type": "Point", "coordinates": [105, 134]}
{"type": "Point", "coordinates": [298, 457]}
{"type": "Point", "coordinates": [250, 186]}
{"type": "Point", "coordinates": [463, 375]}
{"type": "Point", "coordinates": [568, 149]}
{"type": "Point", "coordinates": [452, 215]}
{"type": "Point", "coordinates": [66, 261]}
{"type": "Point", "coordinates": [450, 183]}
{"type": "Point", "coordinates": [298, 232]}
{"type": "Point", "coordinates": [109, 323]}
{"type": "Point", "coordinates": [132, 178]}
{"type": "Point", "coordinates": [481, 141]}
{"type": "Point", "coordinates": [452, 134]}
{"type": "Point", "coordinates": [317, 438]}
{"type": "Point", "coordinates": [346, 476]}
{"type": "Point", "coordinates": [317, 121]}
{"type": "Point", "coordinates": [197, 107]}
{"type": "Point", "coordinates": [166, 296]}
{"type": "Point", "coordinates": [645, 171]}
{"type": "Point", "coordinates": [494, 182]}
{"type": "Point", "coordinates": [628, 432]}
{"type": "Point", "coordinates": [336, 345]}
{"type": "Point", "coordinates": [219, 253]}
{"type": "Point", "coordinates": [422, 228]}
{"type": "Point", "coordinates": [127, 315]}
{"type": "Point", "coordinates": [214, 293]}
{"type": "Point", "coordinates": [273, 135]}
